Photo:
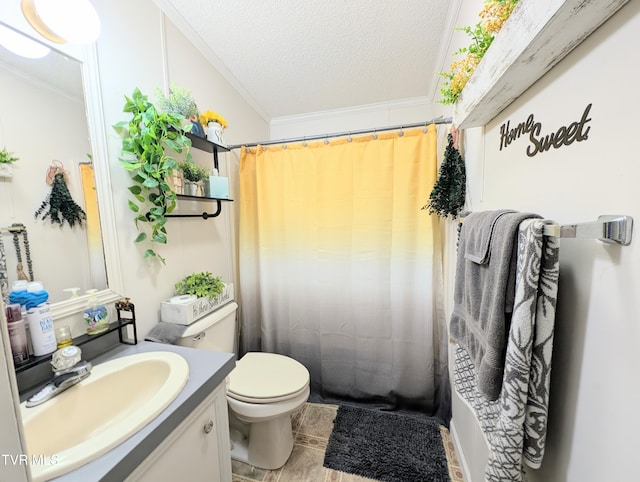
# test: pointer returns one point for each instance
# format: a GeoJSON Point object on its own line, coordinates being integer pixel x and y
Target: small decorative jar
{"type": "Point", "coordinates": [215, 132]}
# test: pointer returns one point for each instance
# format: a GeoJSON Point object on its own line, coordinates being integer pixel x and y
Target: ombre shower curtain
{"type": "Point", "coordinates": [341, 269]}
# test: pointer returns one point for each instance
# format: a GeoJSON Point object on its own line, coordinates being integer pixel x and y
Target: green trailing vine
{"type": "Point", "coordinates": [200, 284]}
{"type": "Point", "coordinates": [448, 194]}
{"type": "Point", "coordinates": [144, 139]}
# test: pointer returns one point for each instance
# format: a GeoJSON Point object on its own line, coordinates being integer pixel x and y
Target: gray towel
{"type": "Point", "coordinates": [479, 228]}
{"type": "Point", "coordinates": [515, 425]}
{"type": "Point", "coordinates": [168, 333]}
{"type": "Point", "coordinates": [484, 293]}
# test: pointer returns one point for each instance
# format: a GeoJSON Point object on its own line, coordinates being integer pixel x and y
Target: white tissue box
{"type": "Point", "coordinates": [187, 313]}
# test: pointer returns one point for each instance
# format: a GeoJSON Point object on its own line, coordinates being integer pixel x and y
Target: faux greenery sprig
{"type": "Point", "coordinates": [144, 139]}
{"type": "Point", "coordinates": [7, 157]}
{"type": "Point", "coordinates": [59, 206]}
{"type": "Point", "coordinates": [200, 284]}
{"type": "Point", "coordinates": [493, 16]}
{"type": "Point", "coordinates": [448, 194]}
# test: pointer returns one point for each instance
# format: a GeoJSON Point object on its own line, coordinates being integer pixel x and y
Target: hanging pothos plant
{"type": "Point", "coordinates": [144, 139]}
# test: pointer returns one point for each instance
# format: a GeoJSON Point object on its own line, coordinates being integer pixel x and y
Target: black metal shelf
{"type": "Point", "coordinates": [83, 339]}
{"type": "Point", "coordinates": [205, 144]}
{"type": "Point", "coordinates": [202, 198]}
{"type": "Point", "coordinates": [213, 148]}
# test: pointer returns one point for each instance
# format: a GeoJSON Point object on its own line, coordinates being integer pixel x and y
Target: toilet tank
{"type": "Point", "coordinates": [215, 331]}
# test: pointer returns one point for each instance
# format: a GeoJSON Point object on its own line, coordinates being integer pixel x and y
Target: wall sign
{"type": "Point", "coordinates": [575, 132]}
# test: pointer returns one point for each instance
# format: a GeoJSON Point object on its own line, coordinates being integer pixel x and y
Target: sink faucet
{"type": "Point", "coordinates": [62, 380]}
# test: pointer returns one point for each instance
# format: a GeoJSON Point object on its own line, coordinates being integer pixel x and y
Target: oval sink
{"type": "Point", "coordinates": [119, 398]}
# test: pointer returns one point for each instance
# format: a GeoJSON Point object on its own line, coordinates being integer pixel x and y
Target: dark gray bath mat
{"type": "Point", "coordinates": [387, 446]}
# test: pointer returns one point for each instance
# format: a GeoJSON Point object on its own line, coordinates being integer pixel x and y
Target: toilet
{"type": "Point", "coordinates": [263, 390]}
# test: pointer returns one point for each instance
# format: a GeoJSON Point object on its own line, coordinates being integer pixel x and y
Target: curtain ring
{"type": "Point", "coordinates": [375, 135]}
{"type": "Point", "coordinates": [401, 133]}
{"type": "Point", "coordinates": [304, 141]}
{"type": "Point", "coordinates": [326, 139]}
{"type": "Point", "coordinates": [349, 137]}
{"type": "Point", "coordinates": [424, 130]}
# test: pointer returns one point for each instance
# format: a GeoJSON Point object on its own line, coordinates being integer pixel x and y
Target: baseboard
{"type": "Point", "coordinates": [459, 453]}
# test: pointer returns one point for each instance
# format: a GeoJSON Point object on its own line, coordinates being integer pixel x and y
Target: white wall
{"type": "Point", "coordinates": [595, 390]}
{"type": "Point", "coordinates": [134, 52]}
{"type": "Point", "coordinates": [130, 52]}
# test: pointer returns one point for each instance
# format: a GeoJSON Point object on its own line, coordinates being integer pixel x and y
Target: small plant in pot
{"type": "Point", "coordinates": [180, 101]}
{"type": "Point", "coordinates": [6, 161]}
{"type": "Point", "coordinates": [194, 175]}
{"type": "Point", "coordinates": [201, 285]}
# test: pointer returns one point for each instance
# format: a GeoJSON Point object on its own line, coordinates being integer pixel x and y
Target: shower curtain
{"type": "Point", "coordinates": [341, 269]}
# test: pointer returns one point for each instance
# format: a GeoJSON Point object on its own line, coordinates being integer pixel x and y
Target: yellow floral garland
{"type": "Point", "coordinates": [492, 17]}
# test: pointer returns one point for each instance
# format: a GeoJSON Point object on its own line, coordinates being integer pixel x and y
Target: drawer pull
{"type": "Point", "coordinates": [199, 336]}
{"type": "Point", "coordinates": [208, 426]}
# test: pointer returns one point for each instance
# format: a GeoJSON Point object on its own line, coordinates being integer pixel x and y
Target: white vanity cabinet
{"type": "Point", "coordinates": [197, 450]}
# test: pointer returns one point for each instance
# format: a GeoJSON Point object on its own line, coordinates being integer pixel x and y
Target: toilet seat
{"type": "Point", "coordinates": [267, 378]}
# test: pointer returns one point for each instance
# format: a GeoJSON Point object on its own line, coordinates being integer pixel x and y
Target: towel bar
{"type": "Point", "coordinates": [608, 228]}
{"type": "Point", "coordinates": [612, 229]}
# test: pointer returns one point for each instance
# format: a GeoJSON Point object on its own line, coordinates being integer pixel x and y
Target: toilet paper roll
{"type": "Point", "coordinates": [182, 299]}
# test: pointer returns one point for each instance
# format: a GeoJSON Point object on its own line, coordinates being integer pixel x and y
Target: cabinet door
{"type": "Point", "coordinates": [195, 450]}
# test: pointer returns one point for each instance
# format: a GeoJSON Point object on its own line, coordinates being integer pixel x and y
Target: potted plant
{"type": "Point", "coordinates": [147, 140]}
{"type": "Point", "coordinates": [214, 125]}
{"type": "Point", "coordinates": [200, 285]}
{"type": "Point", "coordinates": [210, 293]}
{"type": "Point", "coordinates": [194, 176]}
{"type": "Point", "coordinates": [6, 160]}
{"type": "Point", "coordinates": [181, 102]}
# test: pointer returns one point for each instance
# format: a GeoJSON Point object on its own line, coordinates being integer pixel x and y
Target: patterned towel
{"type": "Point", "coordinates": [515, 425]}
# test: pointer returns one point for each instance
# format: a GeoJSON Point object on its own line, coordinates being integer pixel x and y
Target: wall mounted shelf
{"type": "Point", "coordinates": [212, 148]}
{"type": "Point", "coordinates": [537, 35]}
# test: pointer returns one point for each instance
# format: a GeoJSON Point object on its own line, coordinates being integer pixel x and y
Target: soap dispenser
{"type": "Point", "coordinates": [95, 315]}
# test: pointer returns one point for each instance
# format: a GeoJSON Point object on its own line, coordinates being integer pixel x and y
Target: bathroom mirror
{"type": "Point", "coordinates": [51, 115]}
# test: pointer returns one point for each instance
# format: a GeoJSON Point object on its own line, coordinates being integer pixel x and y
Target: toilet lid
{"type": "Point", "coordinates": [263, 376]}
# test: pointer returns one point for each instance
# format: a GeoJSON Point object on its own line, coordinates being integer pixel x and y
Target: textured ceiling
{"type": "Point", "coordinates": [292, 57]}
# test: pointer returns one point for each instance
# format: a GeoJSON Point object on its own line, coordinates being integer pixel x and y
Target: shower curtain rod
{"type": "Point", "coordinates": [437, 120]}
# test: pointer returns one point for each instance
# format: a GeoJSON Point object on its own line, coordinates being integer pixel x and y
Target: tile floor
{"type": "Point", "coordinates": [312, 426]}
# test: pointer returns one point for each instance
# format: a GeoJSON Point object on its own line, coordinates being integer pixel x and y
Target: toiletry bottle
{"type": "Point", "coordinates": [17, 334]}
{"type": "Point", "coordinates": [95, 315]}
{"type": "Point", "coordinates": [18, 295]}
{"type": "Point", "coordinates": [41, 331]}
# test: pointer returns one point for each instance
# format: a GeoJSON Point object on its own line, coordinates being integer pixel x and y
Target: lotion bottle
{"type": "Point", "coordinates": [43, 338]}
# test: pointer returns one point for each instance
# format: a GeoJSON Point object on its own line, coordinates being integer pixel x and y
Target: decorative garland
{"type": "Point", "coordinates": [448, 194]}
{"type": "Point", "coordinates": [492, 17]}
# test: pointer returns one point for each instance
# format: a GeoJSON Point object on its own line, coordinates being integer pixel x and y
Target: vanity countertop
{"type": "Point", "coordinates": [207, 370]}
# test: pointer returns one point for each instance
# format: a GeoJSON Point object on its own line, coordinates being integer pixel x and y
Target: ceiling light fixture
{"type": "Point", "coordinates": [21, 44]}
{"type": "Point", "coordinates": [61, 21]}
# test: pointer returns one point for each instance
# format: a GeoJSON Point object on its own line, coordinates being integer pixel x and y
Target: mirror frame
{"type": "Point", "coordinates": [98, 141]}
